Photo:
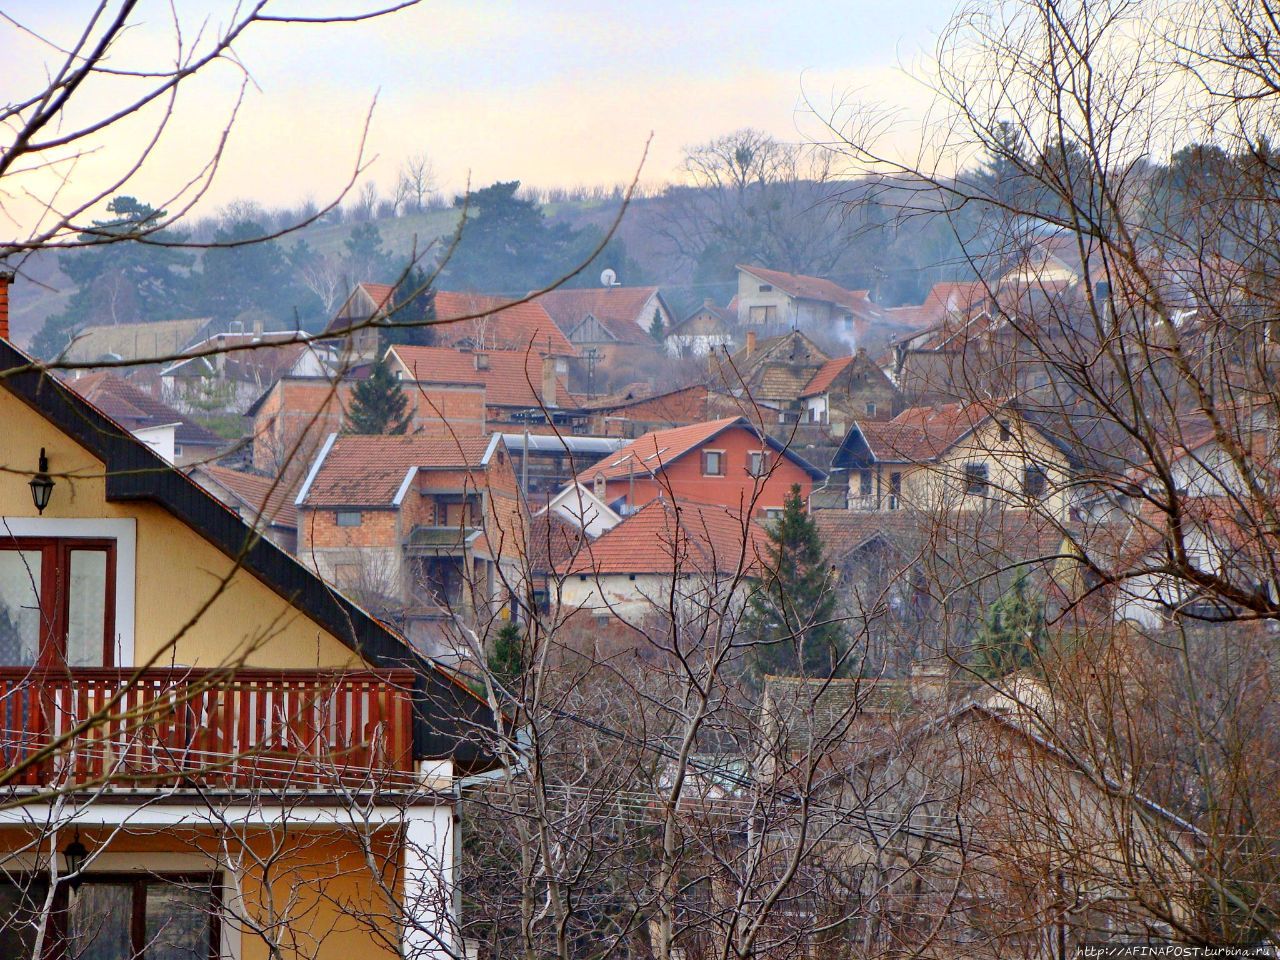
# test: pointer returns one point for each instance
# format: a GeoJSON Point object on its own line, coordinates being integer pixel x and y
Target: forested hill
{"type": "Point", "coordinates": [686, 240]}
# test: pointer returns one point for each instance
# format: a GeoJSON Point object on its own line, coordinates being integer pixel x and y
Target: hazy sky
{"type": "Point", "coordinates": [558, 92]}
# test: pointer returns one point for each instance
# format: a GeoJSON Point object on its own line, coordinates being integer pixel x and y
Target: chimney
{"type": "Point", "coordinates": [6, 278]}
{"type": "Point", "coordinates": [751, 342]}
{"type": "Point", "coordinates": [549, 382]}
{"type": "Point", "coordinates": [481, 361]}
{"type": "Point", "coordinates": [708, 302]}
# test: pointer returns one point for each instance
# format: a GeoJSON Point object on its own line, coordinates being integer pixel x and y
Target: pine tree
{"type": "Point", "coordinates": [378, 405]}
{"type": "Point", "coordinates": [506, 662]}
{"type": "Point", "coordinates": [1013, 636]}
{"type": "Point", "coordinates": [415, 309]}
{"type": "Point", "coordinates": [656, 328]}
{"type": "Point", "coordinates": [792, 615]}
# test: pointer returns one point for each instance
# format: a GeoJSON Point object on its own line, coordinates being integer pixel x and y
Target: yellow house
{"type": "Point", "coordinates": [205, 752]}
{"type": "Point", "coordinates": [957, 457]}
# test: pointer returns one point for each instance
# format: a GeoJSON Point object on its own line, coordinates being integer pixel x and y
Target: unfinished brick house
{"type": "Point", "coordinates": [521, 388]}
{"type": "Point", "coordinates": [293, 418]}
{"type": "Point", "coordinates": [420, 529]}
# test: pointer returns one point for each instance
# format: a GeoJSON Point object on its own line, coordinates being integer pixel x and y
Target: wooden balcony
{"type": "Point", "coordinates": [254, 730]}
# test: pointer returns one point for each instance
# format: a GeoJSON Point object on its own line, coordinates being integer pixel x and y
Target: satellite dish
{"type": "Point", "coordinates": [608, 278]}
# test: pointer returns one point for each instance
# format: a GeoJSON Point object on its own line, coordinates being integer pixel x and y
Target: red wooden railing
{"type": "Point", "coordinates": [253, 729]}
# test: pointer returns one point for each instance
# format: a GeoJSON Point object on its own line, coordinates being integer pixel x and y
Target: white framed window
{"type": "Point", "coordinates": [757, 463]}
{"type": "Point", "coordinates": [871, 409]}
{"type": "Point", "coordinates": [102, 578]}
{"type": "Point", "coordinates": [713, 463]}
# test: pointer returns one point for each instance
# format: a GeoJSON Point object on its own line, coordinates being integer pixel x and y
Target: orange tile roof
{"type": "Point", "coordinates": [650, 453]}
{"type": "Point", "coordinates": [133, 407]}
{"type": "Point", "coordinates": [617, 308]}
{"type": "Point", "coordinates": [816, 288]}
{"type": "Point", "coordinates": [697, 537]}
{"type": "Point", "coordinates": [513, 379]}
{"type": "Point", "coordinates": [524, 326]}
{"type": "Point", "coordinates": [270, 497]}
{"type": "Point", "coordinates": [369, 470]}
{"type": "Point", "coordinates": [826, 376]}
{"type": "Point", "coordinates": [379, 293]}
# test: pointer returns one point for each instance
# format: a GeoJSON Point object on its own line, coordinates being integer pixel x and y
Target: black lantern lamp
{"type": "Point", "coordinates": [42, 484]}
{"type": "Point", "coordinates": [75, 854]}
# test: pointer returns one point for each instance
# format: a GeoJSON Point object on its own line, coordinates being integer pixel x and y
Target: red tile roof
{"type": "Point", "coordinates": [379, 293]}
{"type": "Point", "coordinates": [524, 326]}
{"type": "Point", "coordinates": [817, 288]}
{"type": "Point", "coordinates": [271, 498]}
{"type": "Point", "coordinates": [651, 452]}
{"type": "Point", "coordinates": [617, 308]}
{"type": "Point", "coordinates": [132, 408]}
{"type": "Point", "coordinates": [513, 378]}
{"type": "Point", "coordinates": [826, 376]}
{"type": "Point", "coordinates": [369, 470]}
{"type": "Point", "coordinates": [661, 536]}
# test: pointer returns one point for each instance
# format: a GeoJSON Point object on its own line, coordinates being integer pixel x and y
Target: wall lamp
{"type": "Point", "coordinates": [75, 854]}
{"type": "Point", "coordinates": [41, 484]}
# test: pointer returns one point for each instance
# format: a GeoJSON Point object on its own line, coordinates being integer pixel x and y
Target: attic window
{"type": "Point", "coordinates": [713, 463]}
{"type": "Point", "coordinates": [766, 288]}
{"type": "Point", "coordinates": [871, 409]}
{"type": "Point", "coordinates": [757, 463]}
{"type": "Point", "coordinates": [1034, 481]}
{"type": "Point", "coordinates": [975, 478]}
{"type": "Point", "coordinates": [1005, 433]}
{"type": "Point", "coordinates": [349, 518]}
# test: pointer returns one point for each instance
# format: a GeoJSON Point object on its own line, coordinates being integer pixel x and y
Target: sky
{"type": "Point", "coordinates": [551, 93]}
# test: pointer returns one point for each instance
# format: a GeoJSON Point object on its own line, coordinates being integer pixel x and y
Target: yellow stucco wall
{"type": "Point", "coordinates": [177, 571]}
{"type": "Point", "coordinates": [312, 891]}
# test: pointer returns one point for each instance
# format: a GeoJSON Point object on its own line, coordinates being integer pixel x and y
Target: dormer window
{"type": "Point", "coordinates": [57, 602]}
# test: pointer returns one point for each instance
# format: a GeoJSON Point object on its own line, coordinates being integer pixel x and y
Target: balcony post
{"type": "Point", "coordinates": [429, 928]}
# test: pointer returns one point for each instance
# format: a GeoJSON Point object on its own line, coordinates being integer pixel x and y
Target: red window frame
{"type": "Point", "coordinates": [55, 594]}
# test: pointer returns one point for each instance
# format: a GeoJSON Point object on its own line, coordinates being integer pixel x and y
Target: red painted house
{"type": "Point", "coordinates": [727, 462]}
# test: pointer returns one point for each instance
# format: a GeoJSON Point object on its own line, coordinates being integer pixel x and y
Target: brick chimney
{"type": "Point", "coordinates": [549, 382]}
{"type": "Point", "coordinates": [6, 278]}
{"type": "Point", "coordinates": [751, 342]}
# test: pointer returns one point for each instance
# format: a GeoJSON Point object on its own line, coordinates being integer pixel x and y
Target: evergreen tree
{"type": "Point", "coordinates": [119, 278]}
{"type": "Point", "coordinates": [508, 244]}
{"type": "Point", "coordinates": [792, 614]}
{"type": "Point", "coordinates": [656, 329]}
{"type": "Point", "coordinates": [506, 662]}
{"type": "Point", "coordinates": [1014, 634]}
{"type": "Point", "coordinates": [378, 405]}
{"type": "Point", "coordinates": [415, 308]}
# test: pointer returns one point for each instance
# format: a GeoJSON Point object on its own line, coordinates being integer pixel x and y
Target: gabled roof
{"type": "Point", "coordinates": [267, 497]}
{"type": "Point", "coordinates": [374, 471]}
{"type": "Point", "coordinates": [664, 537]}
{"type": "Point", "coordinates": [135, 409]}
{"type": "Point", "coordinates": [447, 714]}
{"type": "Point", "coordinates": [618, 331]}
{"type": "Point", "coordinates": [706, 320]}
{"type": "Point", "coordinates": [513, 378]}
{"type": "Point", "coordinates": [650, 454]}
{"type": "Point", "coordinates": [617, 308]}
{"type": "Point", "coordinates": [500, 326]}
{"type": "Point", "coordinates": [553, 542]}
{"type": "Point", "coordinates": [826, 376]}
{"type": "Point", "coordinates": [817, 288]}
